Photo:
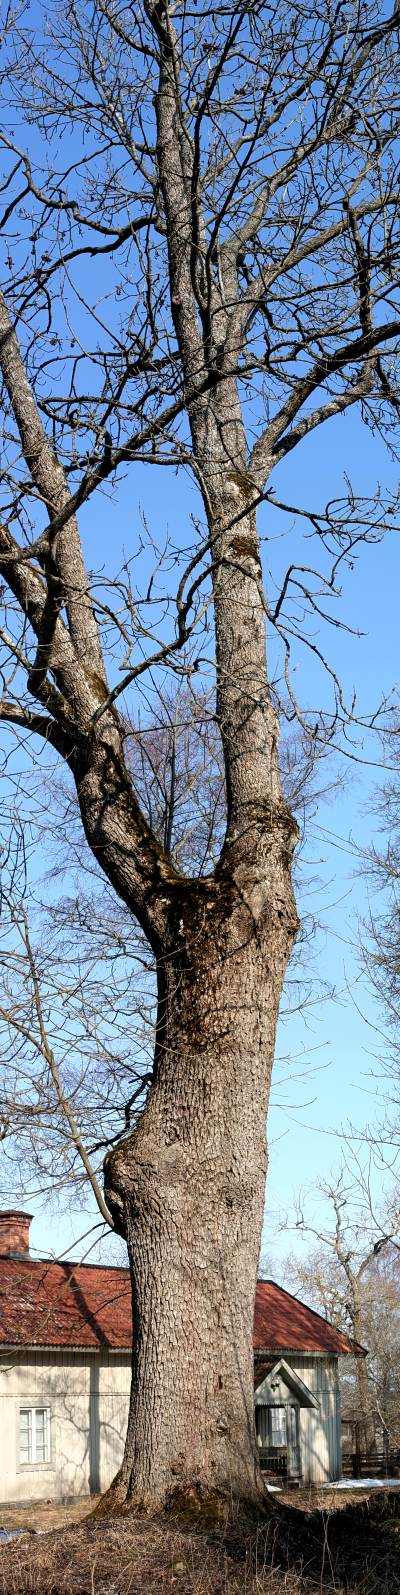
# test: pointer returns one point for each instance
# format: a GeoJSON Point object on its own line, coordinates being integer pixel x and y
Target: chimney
{"type": "Point", "coordinates": [14, 1233]}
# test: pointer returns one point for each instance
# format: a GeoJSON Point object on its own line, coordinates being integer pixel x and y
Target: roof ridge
{"type": "Point", "coordinates": [62, 1262]}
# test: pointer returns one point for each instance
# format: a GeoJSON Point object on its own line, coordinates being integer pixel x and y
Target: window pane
{"type": "Point", "coordinates": [25, 1435]}
{"type": "Point", "coordinates": [262, 1425]}
{"type": "Point", "coordinates": [277, 1417]}
{"type": "Point", "coordinates": [40, 1435]}
{"type": "Point", "coordinates": [293, 1425]}
{"type": "Point", "coordinates": [41, 1432]}
{"type": "Point", "coordinates": [34, 1434]}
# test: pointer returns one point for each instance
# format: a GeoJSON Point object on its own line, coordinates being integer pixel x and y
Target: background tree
{"type": "Point", "coordinates": [209, 276]}
{"type": "Point", "coordinates": [76, 973]}
{"type": "Point", "coordinates": [352, 1276]}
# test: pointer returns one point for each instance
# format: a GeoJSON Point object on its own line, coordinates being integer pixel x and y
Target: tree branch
{"type": "Point", "coordinates": [272, 444]}
{"type": "Point", "coordinates": [48, 477]}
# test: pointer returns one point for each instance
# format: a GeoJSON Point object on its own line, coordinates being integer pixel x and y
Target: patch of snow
{"type": "Point", "coordinates": [360, 1484]}
{"type": "Point", "coordinates": [274, 1488]}
{"type": "Point", "coordinates": [14, 1534]}
{"type": "Point", "coordinates": [10, 1534]}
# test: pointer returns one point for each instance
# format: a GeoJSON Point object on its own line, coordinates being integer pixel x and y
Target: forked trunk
{"type": "Point", "coordinates": [187, 1189]}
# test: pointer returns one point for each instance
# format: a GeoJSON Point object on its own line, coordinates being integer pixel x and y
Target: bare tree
{"type": "Point", "coordinates": [381, 1331]}
{"type": "Point", "coordinates": [380, 942]}
{"type": "Point", "coordinates": [77, 976]}
{"type": "Point", "coordinates": [207, 275]}
{"type": "Point", "coordinates": [352, 1276]}
{"type": "Point", "coordinates": [76, 1028]}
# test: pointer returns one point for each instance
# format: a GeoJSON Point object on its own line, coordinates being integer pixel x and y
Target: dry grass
{"type": "Point", "coordinates": [301, 1549]}
{"type": "Point", "coordinates": [138, 1558]}
{"type": "Point", "coordinates": [44, 1515]}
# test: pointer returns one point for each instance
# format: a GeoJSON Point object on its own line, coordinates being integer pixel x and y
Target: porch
{"type": "Point", "coordinates": [278, 1400]}
{"type": "Point", "coordinates": [277, 1439]}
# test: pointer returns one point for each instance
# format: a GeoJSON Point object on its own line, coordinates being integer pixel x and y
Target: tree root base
{"type": "Point", "coordinates": [196, 1505]}
{"type": "Point", "coordinates": [113, 1502]}
{"type": "Point", "coordinates": [193, 1504]}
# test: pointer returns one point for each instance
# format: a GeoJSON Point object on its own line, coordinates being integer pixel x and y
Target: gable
{"type": "Point", "coordinates": [282, 1384]}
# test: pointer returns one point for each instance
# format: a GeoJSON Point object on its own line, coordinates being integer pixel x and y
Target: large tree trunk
{"type": "Point", "coordinates": [187, 1188]}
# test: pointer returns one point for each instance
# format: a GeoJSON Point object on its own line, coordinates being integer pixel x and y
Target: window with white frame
{"type": "Point", "coordinates": [271, 1426]}
{"type": "Point", "coordinates": [277, 1425]}
{"type": "Point", "coordinates": [34, 1434]}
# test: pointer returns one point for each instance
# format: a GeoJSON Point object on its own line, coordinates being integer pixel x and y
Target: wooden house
{"type": "Point", "coordinates": [65, 1356]}
{"type": "Point", "coordinates": [297, 1390]}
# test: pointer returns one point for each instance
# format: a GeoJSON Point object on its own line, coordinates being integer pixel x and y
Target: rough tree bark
{"type": "Point", "coordinates": [187, 1188]}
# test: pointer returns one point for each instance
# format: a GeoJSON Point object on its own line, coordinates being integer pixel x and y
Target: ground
{"type": "Point", "coordinates": [314, 1544]}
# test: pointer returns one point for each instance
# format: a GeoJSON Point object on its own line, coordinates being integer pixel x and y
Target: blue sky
{"type": "Point", "coordinates": [306, 1142]}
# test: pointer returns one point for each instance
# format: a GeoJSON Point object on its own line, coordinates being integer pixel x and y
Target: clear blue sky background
{"type": "Point", "coordinates": [331, 1041]}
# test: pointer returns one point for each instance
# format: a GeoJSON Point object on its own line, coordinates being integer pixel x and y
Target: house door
{"type": "Point", "coordinates": [271, 1434]}
{"type": "Point", "coordinates": [293, 1443]}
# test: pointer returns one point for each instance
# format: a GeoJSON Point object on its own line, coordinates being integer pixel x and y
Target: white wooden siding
{"type": "Point", "coordinates": [88, 1397]}
{"type": "Point", "coordinates": [320, 1439]}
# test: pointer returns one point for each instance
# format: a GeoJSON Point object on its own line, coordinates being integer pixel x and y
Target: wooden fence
{"type": "Point", "coordinates": [377, 1465]}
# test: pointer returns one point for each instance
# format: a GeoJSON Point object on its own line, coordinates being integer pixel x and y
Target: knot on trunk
{"type": "Point", "coordinates": [265, 826]}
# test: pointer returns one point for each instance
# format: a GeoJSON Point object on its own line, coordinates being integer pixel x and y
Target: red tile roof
{"type": "Point", "coordinates": [283, 1323]}
{"type": "Point", "coordinates": [64, 1304]}
{"type": "Point", "coordinates": [81, 1305]}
